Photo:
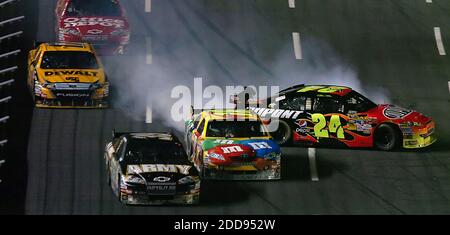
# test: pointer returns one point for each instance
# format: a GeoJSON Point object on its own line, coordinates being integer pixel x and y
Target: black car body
{"type": "Point", "coordinates": [151, 168]}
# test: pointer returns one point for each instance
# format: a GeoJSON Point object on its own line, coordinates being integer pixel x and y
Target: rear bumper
{"type": "Point", "coordinates": [270, 171]}
{"type": "Point", "coordinates": [109, 46]}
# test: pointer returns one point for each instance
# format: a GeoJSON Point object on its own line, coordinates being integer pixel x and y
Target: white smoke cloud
{"type": "Point", "coordinates": [223, 63]}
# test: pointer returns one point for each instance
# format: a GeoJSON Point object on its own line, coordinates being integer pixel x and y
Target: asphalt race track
{"type": "Point", "coordinates": [388, 46]}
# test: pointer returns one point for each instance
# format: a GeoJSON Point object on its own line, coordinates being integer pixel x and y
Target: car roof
{"type": "Point", "coordinates": [67, 46]}
{"type": "Point", "coordinates": [151, 136]}
{"type": "Point", "coordinates": [221, 114]}
{"type": "Point", "coordinates": [318, 89]}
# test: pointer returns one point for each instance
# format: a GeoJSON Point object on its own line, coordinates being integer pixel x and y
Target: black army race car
{"type": "Point", "coordinates": [150, 168]}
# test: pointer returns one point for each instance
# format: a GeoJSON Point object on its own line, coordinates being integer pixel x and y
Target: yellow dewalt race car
{"type": "Point", "coordinates": [232, 145]}
{"type": "Point", "coordinates": [67, 75]}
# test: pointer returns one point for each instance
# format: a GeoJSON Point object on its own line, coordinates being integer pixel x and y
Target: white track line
{"type": "Point", "coordinates": [148, 6]}
{"type": "Point", "coordinates": [429, 1]}
{"type": "Point", "coordinates": [149, 56]}
{"type": "Point", "coordinates": [148, 112]}
{"type": "Point", "coordinates": [11, 35]}
{"type": "Point", "coordinates": [440, 45]}
{"type": "Point", "coordinates": [291, 3]}
{"type": "Point", "coordinates": [312, 164]}
{"type": "Point", "coordinates": [6, 99]}
{"type": "Point", "coordinates": [297, 46]}
{"type": "Point", "coordinates": [449, 86]}
{"type": "Point", "coordinates": [12, 20]}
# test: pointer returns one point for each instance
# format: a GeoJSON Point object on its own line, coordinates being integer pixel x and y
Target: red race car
{"type": "Point", "coordinates": [337, 115]}
{"type": "Point", "coordinates": [99, 22]}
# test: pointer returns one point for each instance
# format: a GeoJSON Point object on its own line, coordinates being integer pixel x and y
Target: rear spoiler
{"type": "Point", "coordinates": [119, 134]}
{"type": "Point", "coordinates": [292, 87]}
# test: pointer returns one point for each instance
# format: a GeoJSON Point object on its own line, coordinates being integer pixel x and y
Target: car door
{"type": "Point", "coordinates": [328, 118]}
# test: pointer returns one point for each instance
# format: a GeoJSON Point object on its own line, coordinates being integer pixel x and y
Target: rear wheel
{"type": "Point", "coordinates": [283, 134]}
{"type": "Point", "coordinates": [387, 137]}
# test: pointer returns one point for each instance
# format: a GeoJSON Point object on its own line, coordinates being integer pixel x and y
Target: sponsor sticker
{"type": "Point", "coordinates": [148, 168]}
{"type": "Point", "coordinates": [276, 113]}
{"type": "Point", "coordinates": [71, 72]}
{"type": "Point", "coordinates": [92, 21]}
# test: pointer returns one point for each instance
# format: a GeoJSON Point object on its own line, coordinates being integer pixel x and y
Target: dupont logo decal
{"type": "Point", "coordinates": [276, 113]}
{"type": "Point", "coordinates": [396, 112]}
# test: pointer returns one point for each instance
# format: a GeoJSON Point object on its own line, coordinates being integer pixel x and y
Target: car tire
{"type": "Point", "coordinates": [387, 137]}
{"type": "Point", "coordinates": [283, 135]}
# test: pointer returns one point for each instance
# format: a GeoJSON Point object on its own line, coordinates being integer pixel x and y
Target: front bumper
{"type": "Point", "coordinates": [420, 137]}
{"type": "Point", "coordinates": [144, 199]}
{"type": "Point", "coordinates": [50, 98]}
{"type": "Point", "coordinates": [103, 44]}
{"type": "Point", "coordinates": [267, 170]}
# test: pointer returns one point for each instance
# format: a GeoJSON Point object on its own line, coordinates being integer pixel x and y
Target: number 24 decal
{"type": "Point", "coordinates": [334, 126]}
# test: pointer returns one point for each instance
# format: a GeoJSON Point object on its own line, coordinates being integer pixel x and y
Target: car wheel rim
{"type": "Point", "coordinates": [385, 138]}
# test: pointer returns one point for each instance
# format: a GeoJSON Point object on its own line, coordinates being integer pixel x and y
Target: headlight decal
{"type": "Point", "coordinates": [133, 179]}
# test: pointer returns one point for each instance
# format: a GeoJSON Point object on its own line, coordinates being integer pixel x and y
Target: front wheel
{"type": "Point", "coordinates": [387, 137]}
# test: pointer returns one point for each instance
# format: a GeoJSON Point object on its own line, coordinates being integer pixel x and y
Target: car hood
{"type": "Point", "coordinates": [95, 25]}
{"type": "Point", "coordinates": [72, 75]}
{"type": "Point", "coordinates": [399, 114]}
{"type": "Point", "coordinates": [261, 147]}
{"type": "Point", "coordinates": [150, 171]}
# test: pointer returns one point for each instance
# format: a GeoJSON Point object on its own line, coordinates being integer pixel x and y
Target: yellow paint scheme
{"type": "Point", "coordinates": [421, 137]}
{"type": "Point", "coordinates": [231, 114]}
{"type": "Point", "coordinates": [323, 89]}
{"type": "Point", "coordinates": [53, 76]}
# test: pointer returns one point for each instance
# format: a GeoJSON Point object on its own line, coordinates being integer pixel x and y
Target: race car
{"type": "Point", "coordinates": [232, 145]}
{"type": "Point", "coordinates": [67, 75]}
{"type": "Point", "coordinates": [324, 115]}
{"type": "Point", "coordinates": [150, 169]}
{"type": "Point", "coordinates": [100, 22]}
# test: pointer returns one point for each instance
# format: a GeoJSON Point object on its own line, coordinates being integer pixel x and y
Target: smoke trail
{"type": "Point", "coordinates": [189, 46]}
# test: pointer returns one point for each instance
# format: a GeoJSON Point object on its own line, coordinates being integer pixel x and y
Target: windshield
{"type": "Point", "coordinates": [357, 102]}
{"type": "Point", "coordinates": [235, 129]}
{"type": "Point", "coordinates": [142, 151]}
{"type": "Point", "coordinates": [81, 8]}
{"type": "Point", "coordinates": [68, 60]}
